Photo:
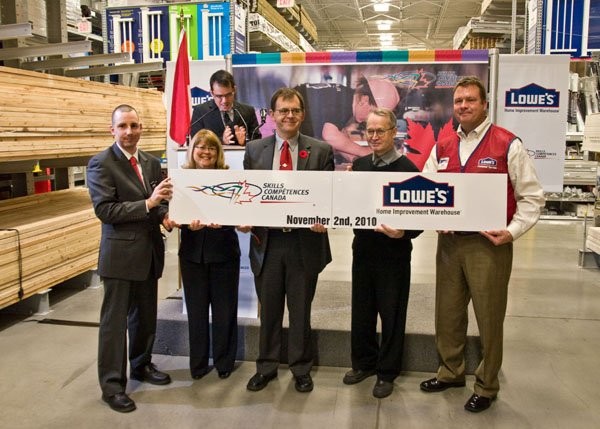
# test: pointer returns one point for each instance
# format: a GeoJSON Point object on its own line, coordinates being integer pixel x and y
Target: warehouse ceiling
{"type": "Point", "coordinates": [414, 24]}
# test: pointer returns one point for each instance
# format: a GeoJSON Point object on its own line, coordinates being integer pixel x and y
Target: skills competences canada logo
{"type": "Point", "coordinates": [243, 192]}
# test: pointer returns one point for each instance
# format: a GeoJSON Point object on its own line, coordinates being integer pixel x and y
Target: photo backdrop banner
{"type": "Point", "coordinates": [340, 89]}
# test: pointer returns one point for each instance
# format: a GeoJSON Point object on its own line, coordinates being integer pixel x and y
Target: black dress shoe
{"type": "Point", "coordinates": [478, 403]}
{"type": "Point", "coordinates": [435, 385]}
{"type": "Point", "coordinates": [224, 374]}
{"type": "Point", "coordinates": [119, 402]}
{"type": "Point", "coordinates": [150, 374]}
{"type": "Point", "coordinates": [304, 383]}
{"type": "Point", "coordinates": [383, 388]}
{"type": "Point", "coordinates": [357, 375]}
{"type": "Point", "coordinates": [260, 381]}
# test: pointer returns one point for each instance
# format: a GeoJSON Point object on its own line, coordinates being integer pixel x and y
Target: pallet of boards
{"type": "Point", "coordinates": [45, 239]}
{"type": "Point", "coordinates": [46, 116]}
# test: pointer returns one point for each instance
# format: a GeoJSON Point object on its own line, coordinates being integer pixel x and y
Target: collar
{"type": "Point", "coordinates": [387, 158]}
{"type": "Point", "coordinates": [478, 131]}
{"type": "Point", "coordinates": [127, 154]}
{"type": "Point", "coordinates": [293, 142]}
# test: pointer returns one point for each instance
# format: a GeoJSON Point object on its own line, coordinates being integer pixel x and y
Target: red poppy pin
{"type": "Point", "coordinates": [303, 154]}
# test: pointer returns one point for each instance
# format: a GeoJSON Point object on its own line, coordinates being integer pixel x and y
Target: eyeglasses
{"type": "Point", "coordinates": [222, 96]}
{"type": "Point", "coordinates": [285, 112]}
{"type": "Point", "coordinates": [208, 148]}
{"type": "Point", "coordinates": [378, 132]}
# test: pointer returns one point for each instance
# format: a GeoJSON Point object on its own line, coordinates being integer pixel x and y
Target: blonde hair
{"type": "Point", "coordinates": [210, 139]}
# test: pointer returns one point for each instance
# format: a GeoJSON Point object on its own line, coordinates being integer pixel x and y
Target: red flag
{"type": "Point", "coordinates": [180, 102]}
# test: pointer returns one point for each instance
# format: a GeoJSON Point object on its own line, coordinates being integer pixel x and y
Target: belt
{"type": "Point", "coordinates": [284, 230]}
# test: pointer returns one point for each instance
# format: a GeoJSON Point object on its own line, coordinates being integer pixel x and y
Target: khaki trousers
{"type": "Point", "coordinates": [470, 267]}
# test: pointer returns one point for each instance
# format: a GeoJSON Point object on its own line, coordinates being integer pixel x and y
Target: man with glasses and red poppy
{"type": "Point", "coordinates": [286, 262]}
{"type": "Point", "coordinates": [235, 123]}
{"type": "Point", "coordinates": [380, 272]}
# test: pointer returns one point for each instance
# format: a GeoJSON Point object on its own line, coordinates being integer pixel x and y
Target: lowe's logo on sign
{"type": "Point", "coordinates": [418, 191]}
{"type": "Point", "coordinates": [532, 95]}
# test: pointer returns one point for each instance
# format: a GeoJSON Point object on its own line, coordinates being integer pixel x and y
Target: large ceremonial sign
{"type": "Point", "coordinates": [460, 202]}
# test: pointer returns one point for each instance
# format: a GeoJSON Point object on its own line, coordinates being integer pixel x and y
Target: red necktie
{"type": "Point", "coordinates": [134, 164]}
{"type": "Point", "coordinates": [285, 160]}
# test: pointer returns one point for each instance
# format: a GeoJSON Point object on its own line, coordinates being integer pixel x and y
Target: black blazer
{"type": "Point", "coordinates": [131, 241]}
{"type": "Point", "coordinates": [316, 253]}
{"type": "Point", "coordinates": [208, 245]}
{"type": "Point", "coordinates": [207, 115]}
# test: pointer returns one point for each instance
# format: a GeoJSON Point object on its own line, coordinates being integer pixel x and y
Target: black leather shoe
{"type": "Point", "coordinates": [435, 385]}
{"type": "Point", "coordinates": [259, 381]}
{"type": "Point", "coordinates": [120, 402]}
{"type": "Point", "coordinates": [357, 375]}
{"type": "Point", "coordinates": [150, 374]}
{"type": "Point", "coordinates": [383, 388]}
{"type": "Point", "coordinates": [478, 403]}
{"type": "Point", "coordinates": [224, 374]}
{"type": "Point", "coordinates": [304, 383]}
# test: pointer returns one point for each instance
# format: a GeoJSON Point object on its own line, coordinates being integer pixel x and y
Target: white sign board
{"type": "Point", "coordinates": [339, 199]}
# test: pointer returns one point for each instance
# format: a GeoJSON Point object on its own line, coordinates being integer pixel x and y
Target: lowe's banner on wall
{"type": "Point", "coordinates": [532, 102]}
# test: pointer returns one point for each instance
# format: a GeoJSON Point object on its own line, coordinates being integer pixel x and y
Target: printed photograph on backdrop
{"type": "Point", "coordinates": [338, 98]}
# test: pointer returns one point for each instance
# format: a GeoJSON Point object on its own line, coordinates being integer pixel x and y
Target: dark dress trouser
{"type": "Point", "coordinates": [283, 274]}
{"type": "Point", "coordinates": [132, 304]}
{"type": "Point", "coordinates": [213, 285]}
{"type": "Point", "coordinates": [379, 286]}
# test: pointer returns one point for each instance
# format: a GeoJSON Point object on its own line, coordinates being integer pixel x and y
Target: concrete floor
{"type": "Point", "coordinates": [552, 343]}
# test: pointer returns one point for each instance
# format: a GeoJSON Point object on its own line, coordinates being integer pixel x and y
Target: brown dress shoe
{"type": "Point", "coordinates": [357, 375]}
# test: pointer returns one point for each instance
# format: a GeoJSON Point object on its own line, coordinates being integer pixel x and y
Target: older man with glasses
{"type": "Point", "coordinates": [380, 272]}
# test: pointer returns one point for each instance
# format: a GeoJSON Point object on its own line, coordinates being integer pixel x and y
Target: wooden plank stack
{"type": "Point", "coordinates": [59, 237]}
{"type": "Point", "coordinates": [46, 116]}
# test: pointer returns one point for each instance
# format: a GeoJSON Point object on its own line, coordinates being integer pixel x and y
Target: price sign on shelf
{"type": "Point", "coordinates": [285, 3]}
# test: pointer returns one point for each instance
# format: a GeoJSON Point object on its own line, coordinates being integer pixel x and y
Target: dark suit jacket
{"type": "Point", "coordinates": [131, 241]}
{"type": "Point", "coordinates": [316, 253]}
{"type": "Point", "coordinates": [207, 115]}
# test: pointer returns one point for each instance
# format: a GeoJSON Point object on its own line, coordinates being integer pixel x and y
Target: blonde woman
{"type": "Point", "coordinates": [209, 257]}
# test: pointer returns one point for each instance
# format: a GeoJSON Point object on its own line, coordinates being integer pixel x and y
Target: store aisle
{"type": "Point", "coordinates": [552, 343]}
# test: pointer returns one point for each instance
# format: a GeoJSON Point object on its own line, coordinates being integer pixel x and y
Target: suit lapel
{"type": "Point", "coordinates": [268, 153]}
{"type": "Point", "coordinates": [127, 169]}
{"type": "Point", "coordinates": [303, 149]}
{"type": "Point", "coordinates": [144, 164]}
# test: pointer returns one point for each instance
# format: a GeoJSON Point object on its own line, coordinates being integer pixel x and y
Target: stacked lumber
{"type": "Point", "coordinates": [46, 116]}
{"type": "Point", "coordinates": [593, 239]}
{"type": "Point", "coordinates": [59, 237]}
{"type": "Point", "coordinates": [271, 15]}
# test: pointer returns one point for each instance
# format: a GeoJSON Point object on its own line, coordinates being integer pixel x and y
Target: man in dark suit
{"type": "Point", "coordinates": [287, 262]}
{"type": "Point", "coordinates": [234, 122]}
{"type": "Point", "coordinates": [127, 194]}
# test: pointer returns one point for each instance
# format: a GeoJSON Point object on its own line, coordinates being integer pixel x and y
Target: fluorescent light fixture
{"type": "Point", "coordinates": [385, 42]}
{"type": "Point", "coordinates": [381, 7]}
{"type": "Point", "coordinates": [384, 26]}
{"type": "Point", "coordinates": [386, 36]}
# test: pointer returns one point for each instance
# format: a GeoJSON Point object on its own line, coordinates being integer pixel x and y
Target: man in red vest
{"type": "Point", "coordinates": [476, 265]}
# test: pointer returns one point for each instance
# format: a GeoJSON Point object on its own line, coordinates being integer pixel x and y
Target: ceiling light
{"type": "Point", "coordinates": [384, 26]}
{"type": "Point", "coordinates": [386, 36]}
{"type": "Point", "coordinates": [381, 7]}
{"type": "Point", "coordinates": [385, 42]}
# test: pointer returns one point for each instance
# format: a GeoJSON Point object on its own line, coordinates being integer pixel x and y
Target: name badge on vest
{"type": "Point", "coordinates": [443, 164]}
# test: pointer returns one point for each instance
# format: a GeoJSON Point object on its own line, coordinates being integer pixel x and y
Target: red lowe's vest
{"type": "Point", "coordinates": [490, 156]}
